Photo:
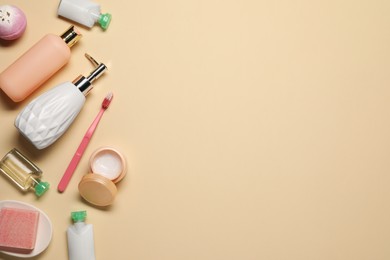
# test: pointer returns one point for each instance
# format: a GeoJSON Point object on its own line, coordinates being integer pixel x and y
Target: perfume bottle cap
{"type": "Point", "coordinates": [71, 36]}
{"type": "Point", "coordinates": [41, 188]}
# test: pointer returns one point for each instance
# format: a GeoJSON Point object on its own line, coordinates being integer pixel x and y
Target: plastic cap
{"type": "Point", "coordinates": [104, 20]}
{"type": "Point", "coordinates": [97, 189]}
{"type": "Point", "coordinates": [78, 216]}
{"type": "Point", "coordinates": [41, 188]}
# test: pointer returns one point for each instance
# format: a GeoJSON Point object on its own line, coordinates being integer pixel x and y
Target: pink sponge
{"type": "Point", "coordinates": [18, 229]}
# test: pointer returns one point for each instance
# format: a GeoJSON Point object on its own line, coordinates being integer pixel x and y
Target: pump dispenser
{"type": "Point", "coordinates": [38, 64]}
{"type": "Point", "coordinates": [47, 117]}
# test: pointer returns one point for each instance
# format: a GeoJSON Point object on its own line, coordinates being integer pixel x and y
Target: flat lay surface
{"type": "Point", "coordinates": [251, 129]}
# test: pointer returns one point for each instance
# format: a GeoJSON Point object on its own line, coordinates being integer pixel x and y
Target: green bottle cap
{"type": "Point", "coordinates": [104, 20]}
{"type": "Point", "coordinates": [78, 216]}
{"type": "Point", "coordinates": [41, 188]}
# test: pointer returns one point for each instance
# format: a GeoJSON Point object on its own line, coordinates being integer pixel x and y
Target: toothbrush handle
{"type": "Point", "coordinates": [73, 164]}
{"type": "Point", "coordinates": [79, 153]}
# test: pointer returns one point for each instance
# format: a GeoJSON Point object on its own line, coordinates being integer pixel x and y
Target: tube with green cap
{"type": "Point", "coordinates": [84, 12]}
{"type": "Point", "coordinates": [80, 238]}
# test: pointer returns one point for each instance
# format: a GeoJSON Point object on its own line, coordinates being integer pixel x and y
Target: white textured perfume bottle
{"type": "Point", "coordinates": [47, 117]}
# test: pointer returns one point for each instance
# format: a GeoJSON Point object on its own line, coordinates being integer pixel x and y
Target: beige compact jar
{"type": "Point", "coordinates": [107, 167]}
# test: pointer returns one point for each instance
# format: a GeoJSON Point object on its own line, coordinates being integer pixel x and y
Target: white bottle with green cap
{"type": "Point", "coordinates": [80, 238]}
{"type": "Point", "coordinates": [84, 12]}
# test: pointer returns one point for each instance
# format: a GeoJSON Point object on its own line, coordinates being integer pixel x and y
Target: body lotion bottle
{"type": "Point", "coordinates": [37, 64]}
{"type": "Point", "coordinates": [80, 238]}
{"type": "Point", "coordinates": [47, 117]}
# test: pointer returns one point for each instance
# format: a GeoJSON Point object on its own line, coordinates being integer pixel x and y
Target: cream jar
{"type": "Point", "coordinates": [107, 167]}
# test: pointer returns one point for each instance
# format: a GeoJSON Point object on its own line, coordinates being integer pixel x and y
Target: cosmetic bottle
{"type": "Point", "coordinates": [84, 12]}
{"type": "Point", "coordinates": [24, 173]}
{"type": "Point", "coordinates": [47, 117]}
{"type": "Point", "coordinates": [37, 64]}
{"type": "Point", "coordinates": [80, 238]}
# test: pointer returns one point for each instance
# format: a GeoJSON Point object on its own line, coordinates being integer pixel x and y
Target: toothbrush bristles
{"type": "Point", "coordinates": [107, 100]}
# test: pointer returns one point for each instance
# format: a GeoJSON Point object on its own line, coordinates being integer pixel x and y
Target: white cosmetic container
{"type": "Point", "coordinates": [48, 116]}
{"type": "Point", "coordinates": [84, 12]}
{"type": "Point", "coordinates": [80, 238]}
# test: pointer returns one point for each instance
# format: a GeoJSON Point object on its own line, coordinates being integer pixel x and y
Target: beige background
{"type": "Point", "coordinates": [253, 129]}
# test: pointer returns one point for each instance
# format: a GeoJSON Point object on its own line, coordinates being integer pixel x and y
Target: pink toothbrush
{"type": "Point", "coordinates": [83, 145]}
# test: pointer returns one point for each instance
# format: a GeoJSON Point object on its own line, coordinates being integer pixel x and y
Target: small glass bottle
{"type": "Point", "coordinates": [24, 173]}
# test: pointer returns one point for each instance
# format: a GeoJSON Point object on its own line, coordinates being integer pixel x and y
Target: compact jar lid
{"type": "Point", "coordinates": [108, 166]}
{"type": "Point", "coordinates": [97, 189]}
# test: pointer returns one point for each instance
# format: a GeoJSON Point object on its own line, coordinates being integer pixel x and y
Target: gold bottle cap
{"type": "Point", "coordinates": [71, 36]}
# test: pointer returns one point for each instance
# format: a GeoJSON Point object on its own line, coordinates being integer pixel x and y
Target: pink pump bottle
{"type": "Point", "coordinates": [38, 64]}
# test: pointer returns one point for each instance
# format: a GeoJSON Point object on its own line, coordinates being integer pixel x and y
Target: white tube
{"type": "Point", "coordinates": [80, 240]}
{"type": "Point", "coordinates": [82, 11]}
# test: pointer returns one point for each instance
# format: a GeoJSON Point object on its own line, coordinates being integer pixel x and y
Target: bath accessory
{"type": "Point", "coordinates": [47, 117]}
{"type": "Point", "coordinates": [24, 173]}
{"type": "Point", "coordinates": [38, 64]}
{"type": "Point", "coordinates": [80, 238]}
{"type": "Point", "coordinates": [44, 229]}
{"type": "Point", "coordinates": [84, 12]}
{"type": "Point", "coordinates": [83, 145]}
{"type": "Point", "coordinates": [13, 22]}
{"type": "Point", "coordinates": [18, 229]}
{"type": "Point", "coordinates": [108, 166]}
